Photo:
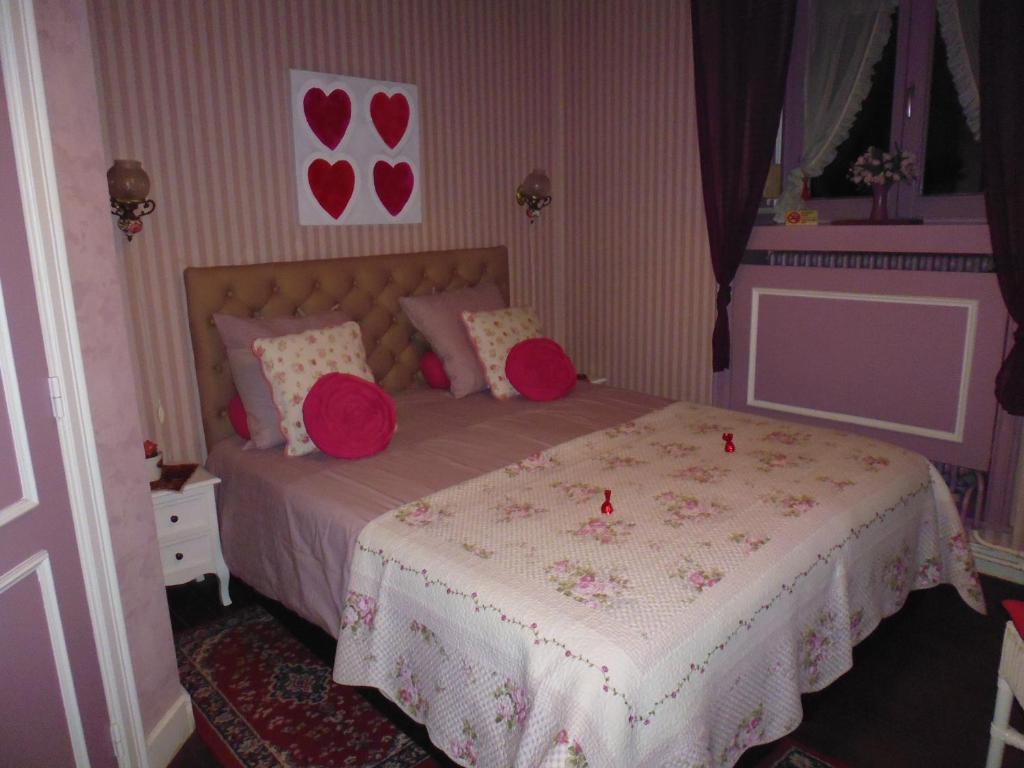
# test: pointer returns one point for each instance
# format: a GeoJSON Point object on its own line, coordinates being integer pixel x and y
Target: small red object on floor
{"type": "Point", "coordinates": [729, 447]}
{"type": "Point", "coordinates": [606, 508]}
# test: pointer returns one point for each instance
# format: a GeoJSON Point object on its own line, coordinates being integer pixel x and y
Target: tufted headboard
{"type": "Point", "coordinates": [365, 288]}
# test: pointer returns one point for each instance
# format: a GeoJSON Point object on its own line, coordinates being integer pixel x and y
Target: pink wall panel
{"type": "Point", "coordinates": [839, 353]}
{"type": "Point", "coordinates": [897, 355]}
{"type": "Point", "coordinates": [27, 666]}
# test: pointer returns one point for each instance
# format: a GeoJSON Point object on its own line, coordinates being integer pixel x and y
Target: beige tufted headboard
{"type": "Point", "coordinates": [365, 288]}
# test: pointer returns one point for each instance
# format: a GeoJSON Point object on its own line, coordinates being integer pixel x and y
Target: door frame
{"type": "Point", "coordinates": [30, 129]}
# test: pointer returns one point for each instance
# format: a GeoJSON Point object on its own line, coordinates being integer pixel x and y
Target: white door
{"type": "Point", "coordinates": [53, 711]}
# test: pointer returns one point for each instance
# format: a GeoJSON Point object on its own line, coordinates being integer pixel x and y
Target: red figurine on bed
{"type": "Point", "coordinates": [606, 508]}
{"type": "Point", "coordinates": [729, 447]}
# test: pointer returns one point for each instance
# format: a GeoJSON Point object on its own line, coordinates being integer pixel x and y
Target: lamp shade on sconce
{"type": "Point", "coordinates": [536, 184]}
{"type": "Point", "coordinates": [127, 181]}
{"type": "Point", "coordinates": [128, 185]}
{"type": "Point", "coordinates": [534, 193]}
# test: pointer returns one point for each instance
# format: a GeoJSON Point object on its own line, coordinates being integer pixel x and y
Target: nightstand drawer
{"type": "Point", "coordinates": [187, 556]}
{"type": "Point", "coordinates": [183, 516]}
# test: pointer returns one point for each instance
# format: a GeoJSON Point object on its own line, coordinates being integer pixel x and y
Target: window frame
{"type": "Point", "coordinates": [912, 85]}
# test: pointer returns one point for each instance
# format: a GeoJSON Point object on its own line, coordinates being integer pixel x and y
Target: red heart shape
{"type": "Point", "coordinates": [328, 116]}
{"type": "Point", "coordinates": [393, 184]}
{"type": "Point", "coordinates": [390, 116]}
{"type": "Point", "coordinates": [332, 185]}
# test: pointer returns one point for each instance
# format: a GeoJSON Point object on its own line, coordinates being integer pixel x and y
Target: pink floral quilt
{"type": "Point", "coordinates": [525, 628]}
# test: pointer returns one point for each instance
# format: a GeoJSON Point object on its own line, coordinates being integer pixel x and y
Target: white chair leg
{"type": "Point", "coordinates": [1000, 722]}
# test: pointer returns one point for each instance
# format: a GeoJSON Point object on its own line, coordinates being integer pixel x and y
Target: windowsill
{"type": "Point", "coordinates": [866, 238]}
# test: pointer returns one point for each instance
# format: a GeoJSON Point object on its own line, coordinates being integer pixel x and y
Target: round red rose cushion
{"type": "Point", "coordinates": [238, 418]}
{"type": "Point", "coordinates": [348, 417]}
{"type": "Point", "coordinates": [540, 370]}
{"type": "Point", "coordinates": [433, 370]}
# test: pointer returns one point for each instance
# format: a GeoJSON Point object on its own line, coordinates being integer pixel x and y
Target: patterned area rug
{"type": "Point", "coordinates": [262, 700]}
{"type": "Point", "coordinates": [790, 754]}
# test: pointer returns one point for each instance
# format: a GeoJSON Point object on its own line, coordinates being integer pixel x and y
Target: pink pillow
{"type": "Point", "coordinates": [540, 370]}
{"type": "Point", "coordinates": [439, 318]}
{"type": "Point", "coordinates": [348, 417]}
{"type": "Point", "coordinates": [433, 371]}
{"type": "Point", "coordinates": [238, 334]}
{"type": "Point", "coordinates": [236, 414]}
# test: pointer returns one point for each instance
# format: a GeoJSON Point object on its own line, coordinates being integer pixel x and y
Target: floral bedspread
{"type": "Point", "coordinates": [525, 628]}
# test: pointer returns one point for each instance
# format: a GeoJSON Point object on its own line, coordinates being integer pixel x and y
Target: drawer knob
{"type": "Point", "coordinates": [174, 518]}
{"type": "Point", "coordinates": [178, 556]}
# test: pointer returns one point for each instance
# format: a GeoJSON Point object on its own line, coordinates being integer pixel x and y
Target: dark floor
{"type": "Point", "coordinates": [920, 694]}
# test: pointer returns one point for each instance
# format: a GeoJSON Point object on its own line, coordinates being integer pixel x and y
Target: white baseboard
{"type": "Point", "coordinates": [1000, 562]}
{"type": "Point", "coordinates": [173, 730]}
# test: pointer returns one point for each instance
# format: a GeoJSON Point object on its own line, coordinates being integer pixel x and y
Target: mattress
{"type": "Point", "coordinates": [289, 525]}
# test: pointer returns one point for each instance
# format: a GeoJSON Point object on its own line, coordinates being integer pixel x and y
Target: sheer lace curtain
{"type": "Point", "coordinates": [846, 41]}
{"type": "Point", "coordinates": [959, 21]}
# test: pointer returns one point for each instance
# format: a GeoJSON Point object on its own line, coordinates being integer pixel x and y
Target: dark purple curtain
{"type": "Point", "coordinates": [740, 56]}
{"type": "Point", "coordinates": [1002, 147]}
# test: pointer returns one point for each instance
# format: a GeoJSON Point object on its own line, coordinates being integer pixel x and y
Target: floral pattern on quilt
{"type": "Point", "coordinates": [292, 364]}
{"type": "Point", "coordinates": [559, 636]}
{"type": "Point", "coordinates": [493, 334]}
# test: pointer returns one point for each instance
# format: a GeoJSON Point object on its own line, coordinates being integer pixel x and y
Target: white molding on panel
{"type": "Point", "coordinates": [16, 418]}
{"type": "Point", "coordinates": [33, 150]}
{"type": "Point", "coordinates": [171, 731]}
{"type": "Point", "coordinates": [970, 331]}
{"type": "Point", "coordinates": [39, 565]}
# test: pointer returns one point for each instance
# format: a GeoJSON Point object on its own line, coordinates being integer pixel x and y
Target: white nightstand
{"type": "Point", "coordinates": [187, 532]}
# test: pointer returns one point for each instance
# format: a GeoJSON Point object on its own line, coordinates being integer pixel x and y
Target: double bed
{"type": "Point", "coordinates": [469, 574]}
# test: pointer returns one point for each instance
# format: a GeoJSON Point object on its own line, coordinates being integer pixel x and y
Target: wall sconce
{"type": "Point", "coordinates": [534, 193]}
{"type": "Point", "coordinates": [129, 185]}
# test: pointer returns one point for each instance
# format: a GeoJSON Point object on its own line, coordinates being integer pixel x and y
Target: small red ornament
{"type": "Point", "coordinates": [729, 447]}
{"type": "Point", "coordinates": [606, 508]}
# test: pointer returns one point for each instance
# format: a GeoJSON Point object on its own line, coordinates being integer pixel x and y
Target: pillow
{"type": "Point", "coordinates": [348, 417]}
{"type": "Point", "coordinates": [540, 370]}
{"type": "Point", "coordinates": [292, 364]}
{"type": "Point", "coordinates": [236, 414]}
{"type": "Point", "coordinates": [493, 334]}
{"type": "Point", "coordinates": [438, 318]}
{"type": "Point", "coordinates": [238, 334]}
{"type": "Point", "coordinates": [433, 371]}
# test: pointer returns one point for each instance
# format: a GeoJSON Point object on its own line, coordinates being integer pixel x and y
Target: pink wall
{"type": "Point", "coordinates": [640, 292]}
{"type": "Point", "coordinates": [96, 273]}
{"type": "Point", "coordinates": [198, 90]}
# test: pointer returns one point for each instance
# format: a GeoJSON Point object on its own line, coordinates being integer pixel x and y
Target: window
{"type": "Point", "coordinates": [882, 75]}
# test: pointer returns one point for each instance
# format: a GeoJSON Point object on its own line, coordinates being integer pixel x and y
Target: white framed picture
{"type": "Point", "coordinates": [357, 150]}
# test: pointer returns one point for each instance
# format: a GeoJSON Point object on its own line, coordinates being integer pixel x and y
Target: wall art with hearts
{"type": "Point", "coordinates": [357, 150]}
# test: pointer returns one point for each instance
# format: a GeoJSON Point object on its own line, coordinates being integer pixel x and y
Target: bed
{"type": "Point", "coordinates": [469, 574]}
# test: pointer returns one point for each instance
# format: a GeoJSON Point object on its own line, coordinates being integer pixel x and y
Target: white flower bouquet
{"type": "Point", "coordinates": [878, 167]}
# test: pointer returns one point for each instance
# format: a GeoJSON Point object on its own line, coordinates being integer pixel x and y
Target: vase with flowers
{"type": "Point", "coordinates": [880, 170]}
{"type": "Point", "coordinates": [154, 460]}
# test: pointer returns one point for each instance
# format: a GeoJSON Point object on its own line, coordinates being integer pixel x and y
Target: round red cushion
{"type": "Point", "coordinates": [433, 370]}
{"type": "Point", "coordinates": [540, 370]}
{"type": "Point", "coordinates": [238, 418]}
{"type": "Point", "coordinates": [348, 417]}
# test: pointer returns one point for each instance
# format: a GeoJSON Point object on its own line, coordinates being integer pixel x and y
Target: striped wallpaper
{"type": "Point", "coordinates": [599, 93]}
{"type": "Point", "coordinates": [640, 295]}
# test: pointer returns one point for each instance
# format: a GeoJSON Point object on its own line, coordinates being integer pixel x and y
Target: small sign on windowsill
{"type": "Point", "coordinates": [801, 218]}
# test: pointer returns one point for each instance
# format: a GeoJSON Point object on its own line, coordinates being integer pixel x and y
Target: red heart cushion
{"type": "Point", "coordinates": [348, 417]}
{"type": "Point", "coordinates": [328, 116]}
{"type": "Point", "coordinates": [540, 370]}
{"type": "Point", "coordinates": [332, 185]}
{"type": "Point", "coordinates": [390, 116]}
{"type": "Point", "coordinates": [238, 418]}
{"type": "Point", "coordinates": [433, 371]}
{"type": "Point", "coordinates": [393, 184]}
